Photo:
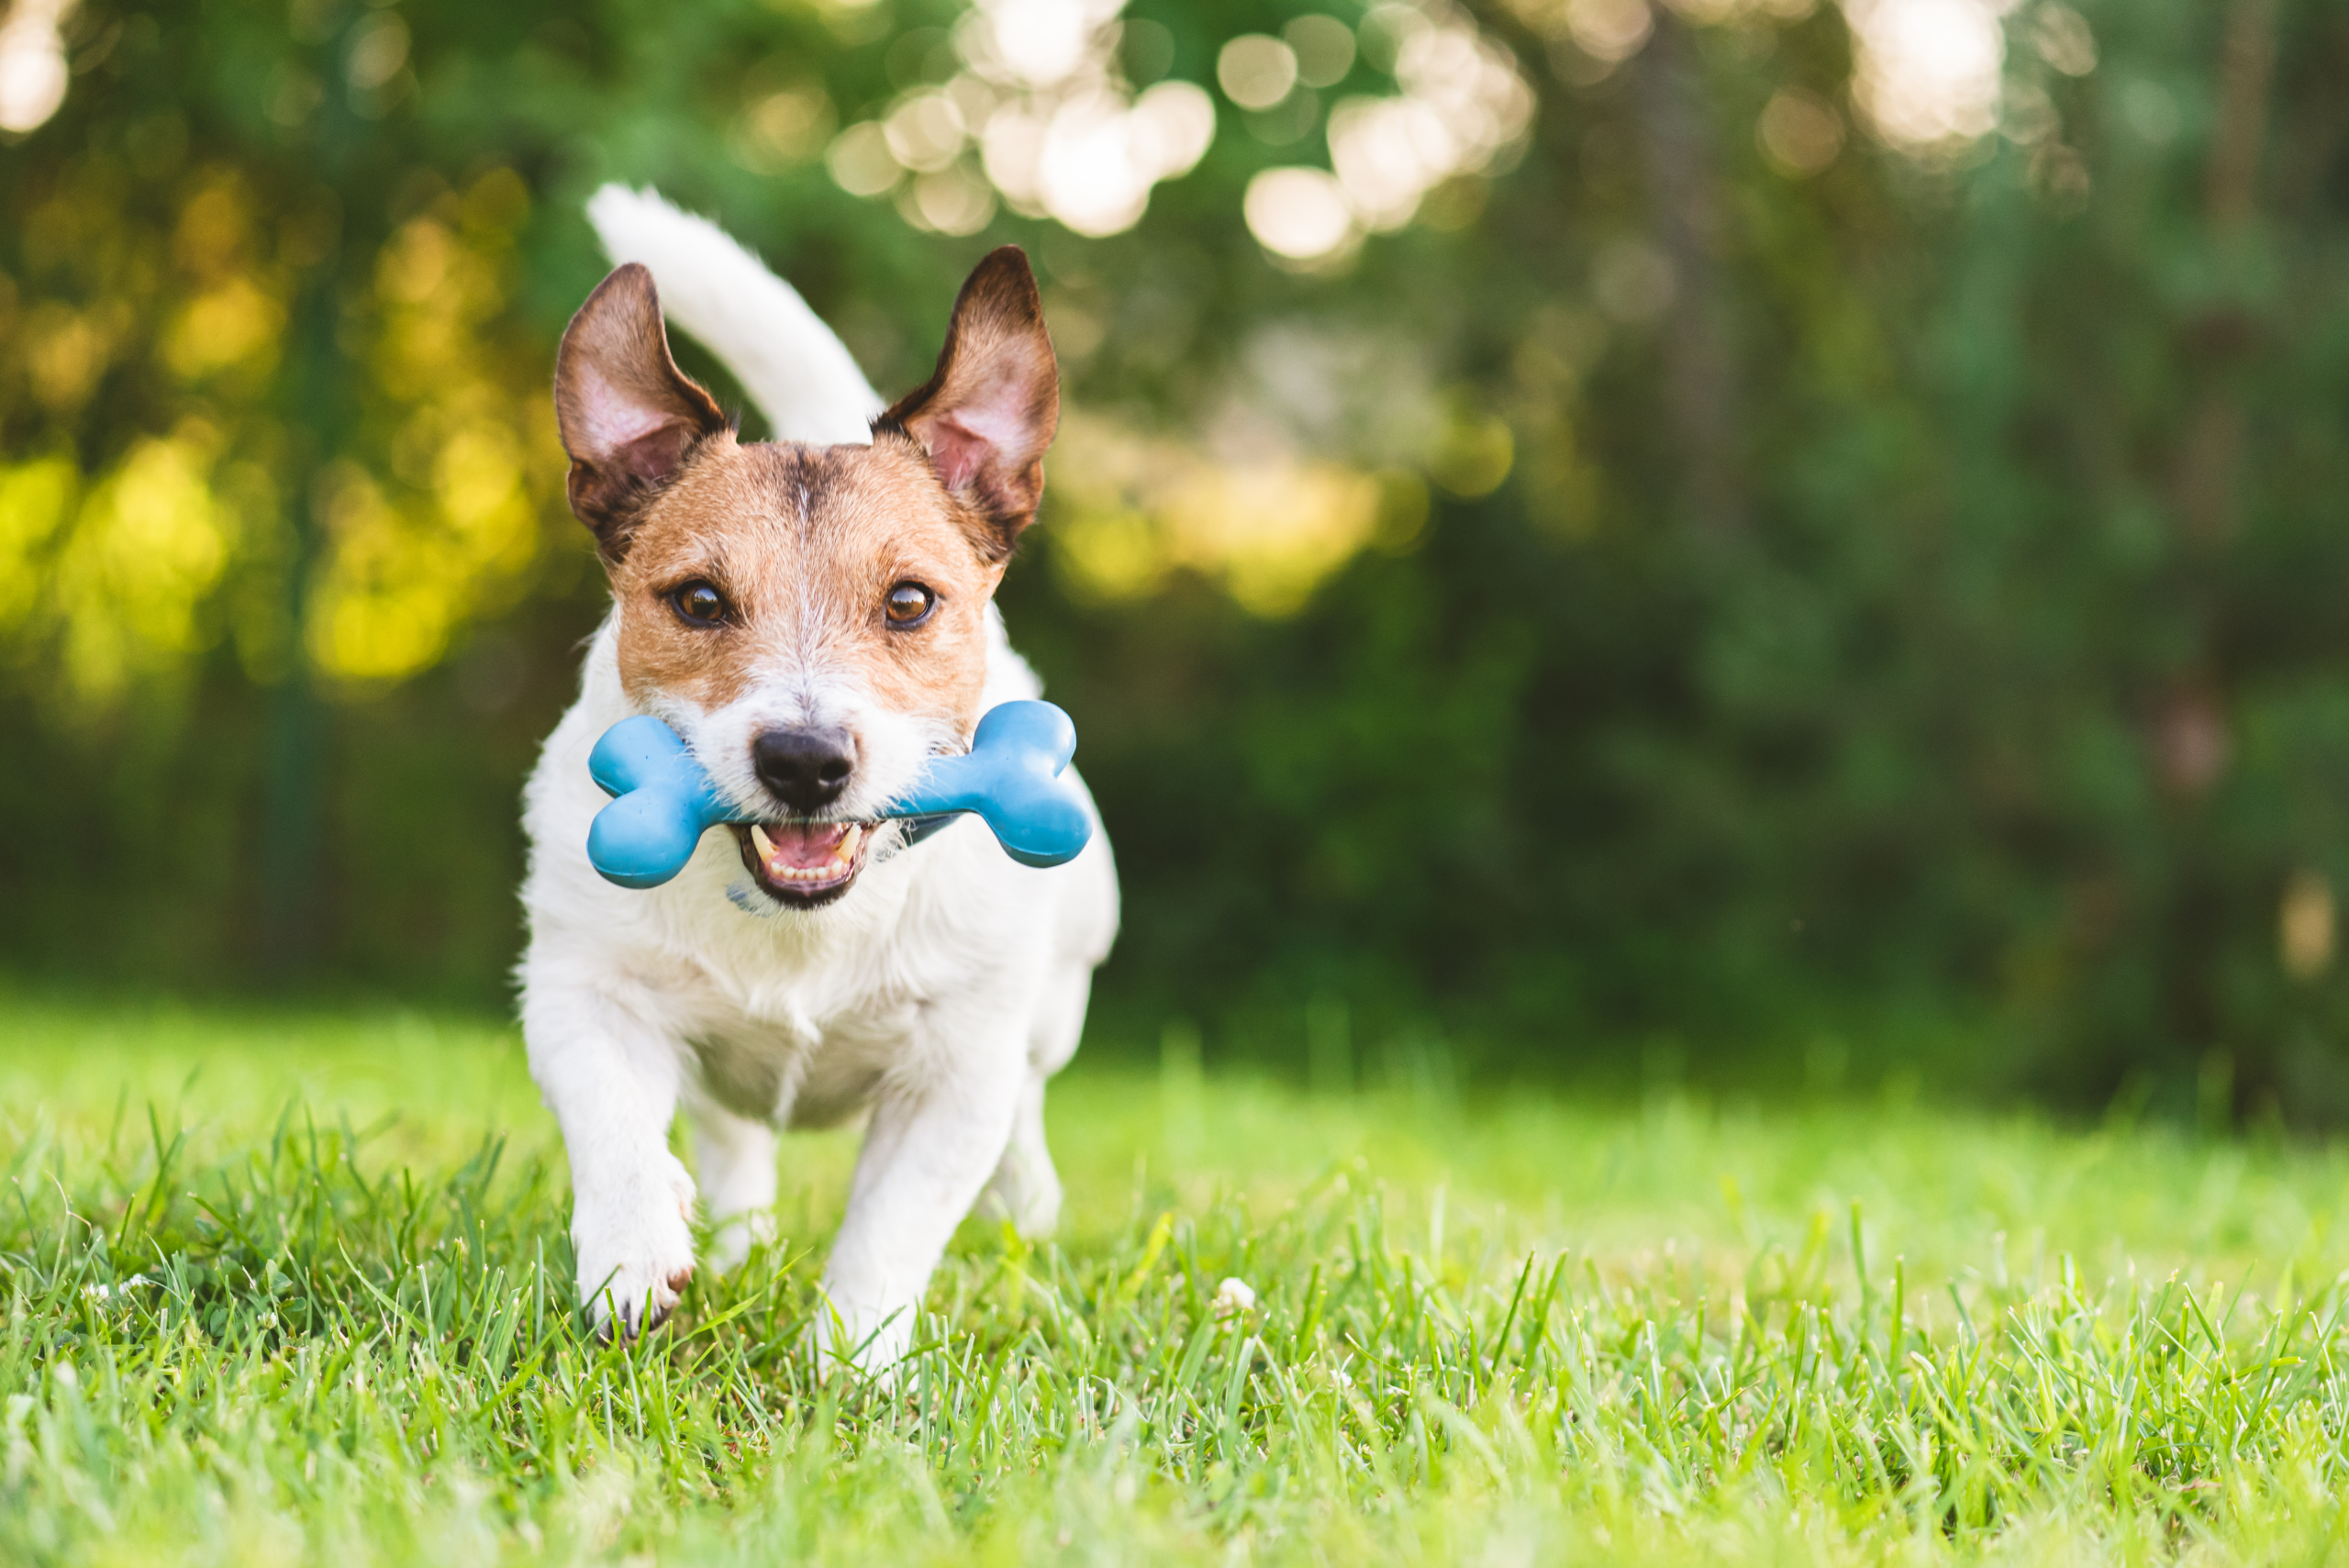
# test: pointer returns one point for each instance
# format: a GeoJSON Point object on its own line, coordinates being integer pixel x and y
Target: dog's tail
{"type": "Point", "coordinates": [797, 371]}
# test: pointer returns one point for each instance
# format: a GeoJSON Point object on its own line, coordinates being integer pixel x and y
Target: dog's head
{"type": "Point", "coordinates": [811, 619]}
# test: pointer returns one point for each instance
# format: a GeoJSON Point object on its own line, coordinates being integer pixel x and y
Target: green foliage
{"type": "Point", "coordinates": [293, 1288]}
{"type": "Point", "coordinates": [1913, 589]}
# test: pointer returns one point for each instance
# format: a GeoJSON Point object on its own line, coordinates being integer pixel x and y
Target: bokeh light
{"type": "Point", "coordinates": [1042, 113]}
{"type": "Point", "coordinates": [1255, 71]}
{"type": "Point", "coordinates": [1324, 48]}
{"type": "Point", "coordinates": [1267, 526]}
{"type": "Point", "coordinates": [1799, 133]}
{"type": "Point", "coordinates": [1299, 213]}
{"type": "Point", "coordinates": [32, 63]}
{"type": "Point", "coordinates": [1610, 30]}
{"type": "Point", "coordinates": [2306, 925]}
{"type": "Point", "coordinates": [1040, 116]}
{"type": "Point", "coordinates": [1928, 71]}
{"type": "Point", "coordinates": [1463, 102]}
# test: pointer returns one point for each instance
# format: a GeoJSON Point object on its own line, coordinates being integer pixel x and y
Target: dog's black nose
{"type": "Point", "coordinates": [804, 768]}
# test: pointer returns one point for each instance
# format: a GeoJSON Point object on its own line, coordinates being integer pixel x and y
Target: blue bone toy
{"type": "Point", "coordinates": [1015, 776]}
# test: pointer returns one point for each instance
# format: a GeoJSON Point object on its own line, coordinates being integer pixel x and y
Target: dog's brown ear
{"type": "Point", "coordinates": [989, 412]}
{"type": "Point", "coordinates": [627, 414]}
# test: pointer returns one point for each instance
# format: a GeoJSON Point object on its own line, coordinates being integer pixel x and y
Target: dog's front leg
{"type": "Point", "coordinates": [935, 1136]}
{"type": "Point", "coordinates": [610, 1074]}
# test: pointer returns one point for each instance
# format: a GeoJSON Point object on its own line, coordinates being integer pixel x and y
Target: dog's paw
{"type": "Point", "coordinates": [635, 1245]}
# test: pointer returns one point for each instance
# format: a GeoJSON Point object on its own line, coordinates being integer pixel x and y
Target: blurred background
{"type": "Point", "coordinates": [1750, 540]}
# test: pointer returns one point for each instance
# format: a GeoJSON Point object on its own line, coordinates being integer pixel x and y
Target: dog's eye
{"type": "Point", "coordinates": [700, 604]}
{"type": "Point", "coordinates": [909, 603]}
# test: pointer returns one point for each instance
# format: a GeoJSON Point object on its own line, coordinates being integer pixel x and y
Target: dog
{"type": "Point", "coordinates": [814, 617]}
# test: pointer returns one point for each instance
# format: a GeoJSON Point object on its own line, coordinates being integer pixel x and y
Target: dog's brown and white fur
{"type": "Point", "coordinates": [763, 600]}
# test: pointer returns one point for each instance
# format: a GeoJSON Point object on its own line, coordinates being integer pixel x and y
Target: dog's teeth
{"type": "Point", "coordinates": [849, 839]}
{"type": "Point", "coordinates": [764, 845]}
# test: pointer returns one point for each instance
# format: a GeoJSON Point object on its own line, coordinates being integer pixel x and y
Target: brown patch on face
{"type": "Point", "coordinates": [804, 544]}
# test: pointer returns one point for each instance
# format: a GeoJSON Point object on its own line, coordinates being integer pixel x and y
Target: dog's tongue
{"type": "Point", "coordinates": [807, 846]}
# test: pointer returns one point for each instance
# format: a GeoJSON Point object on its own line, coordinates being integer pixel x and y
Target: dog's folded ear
{"type": "Point", "coordinates": [629, 414]}
{"type": "Point", "coordinates": [989, 412]}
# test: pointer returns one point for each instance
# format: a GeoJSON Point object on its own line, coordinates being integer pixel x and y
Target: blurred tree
{"type": "Point", "coordinates": [1575, 520]}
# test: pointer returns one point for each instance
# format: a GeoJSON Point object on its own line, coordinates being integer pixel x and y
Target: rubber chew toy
{"type": "Point", "coordinates": [1015, 777]}
{"type": "Point", "coordinates": [661, 805]}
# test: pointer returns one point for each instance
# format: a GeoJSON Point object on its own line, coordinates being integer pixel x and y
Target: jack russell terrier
{"type": "Point", "coordinates": [814, 617]}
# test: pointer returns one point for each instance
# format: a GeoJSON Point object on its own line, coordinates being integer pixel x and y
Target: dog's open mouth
{"type": "Point", "coordinates": [805, 863]}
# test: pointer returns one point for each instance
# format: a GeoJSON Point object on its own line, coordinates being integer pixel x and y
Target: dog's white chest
{"type": "Point", "coordinates": [802, 1058]}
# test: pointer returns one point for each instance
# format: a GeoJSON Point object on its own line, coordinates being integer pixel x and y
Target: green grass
{"type": "Point", "coordinates": [285, 1289]}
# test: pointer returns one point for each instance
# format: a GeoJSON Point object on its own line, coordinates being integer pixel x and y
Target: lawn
{"type": "Point", "coordinates": [293, 1288]}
